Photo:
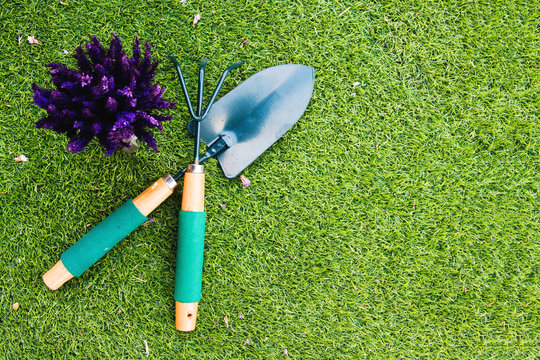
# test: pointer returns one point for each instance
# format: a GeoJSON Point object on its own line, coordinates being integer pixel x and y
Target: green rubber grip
{"type": "Point", "coordinates": [98, 241]}
{"type": "Point", "coordinates": [189, 256]}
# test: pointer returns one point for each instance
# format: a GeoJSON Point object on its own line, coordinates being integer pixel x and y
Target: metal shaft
{"type": "Point", "coordinates": [197, 149]}
{"type": "Point", "coordinates": [213, 150]}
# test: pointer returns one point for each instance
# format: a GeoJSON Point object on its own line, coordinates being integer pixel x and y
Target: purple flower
{"type": "Point", "coordinates": [245, 181]}
{"type": "Point", "coordinates": [110, 97]}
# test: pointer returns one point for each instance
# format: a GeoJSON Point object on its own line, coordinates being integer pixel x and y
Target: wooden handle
{"type": "Point", "coordinates": [192, 200]}
{"type": "Point", "coordinates": [193, 193]}
{"type": "Point", "coordinates": [186, 316]}
{"type": "Point", "coordinates": [152, 197]}
{"type": "Point", "coordinates": [56, 276]}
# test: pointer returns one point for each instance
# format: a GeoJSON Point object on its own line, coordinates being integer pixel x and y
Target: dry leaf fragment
{"type": "Point", "coordinates": [32, 40]}
{"type": "Point", "coordinates": [16, 306]}
{"type": "Point", "coordinates": [20, 158]}
{"type": "Point", "coordinates": [344, 11]}
{"type": "Point", "coordinates": [151, 220]}
{"type": "Point", "coordinates": [196, 19]}
{"type": "Point", "coordinates": [226, 321]}
{"type": "Point", "coordinates": [147, 351]}
{"type": "Point", "coordinates": [245, 181]}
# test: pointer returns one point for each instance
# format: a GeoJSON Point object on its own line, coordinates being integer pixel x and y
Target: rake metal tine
{"type": "Point", "coordinates": [183, 83]}
{"type": "Point", "coordinates": [204, 61]}
{"type": "Point", "coordinates": [218, 87]}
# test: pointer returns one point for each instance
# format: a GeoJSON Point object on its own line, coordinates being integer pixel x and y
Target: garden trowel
{"type": "Point", "coordinates": [238, 128]}
{"type": "Point", "coordinates": [254, 115]}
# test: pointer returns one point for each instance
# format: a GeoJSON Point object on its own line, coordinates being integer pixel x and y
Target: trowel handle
{"type": "Point", "coordinates": [98, 241]}
{"type": "Point", "coordinates": [190, 249]}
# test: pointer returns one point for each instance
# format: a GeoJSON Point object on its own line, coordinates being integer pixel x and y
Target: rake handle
{"type": "Point", "coordinates": [190, 249]}
{"type": "Point", "coordinates": [102, 238]}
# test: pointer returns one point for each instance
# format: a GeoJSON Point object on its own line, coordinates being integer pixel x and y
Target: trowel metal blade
{"type": "Point", "coordinates": [256, 113]}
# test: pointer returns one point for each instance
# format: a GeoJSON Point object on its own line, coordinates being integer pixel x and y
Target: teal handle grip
{"type": "Point", "coordinates": [189, 256]}
{"type": "Point", "coordinates": [102, 238]}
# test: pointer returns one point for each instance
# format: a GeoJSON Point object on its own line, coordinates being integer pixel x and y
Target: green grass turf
{"type": "Point", "coordinates": [398, 219]}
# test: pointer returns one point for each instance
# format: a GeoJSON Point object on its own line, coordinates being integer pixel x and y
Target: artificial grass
{"type": "Point", "coordinates": [397, 219]}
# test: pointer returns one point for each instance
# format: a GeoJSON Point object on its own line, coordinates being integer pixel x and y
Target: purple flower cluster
{"type": "Point", "coordinates": [111, 97]}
